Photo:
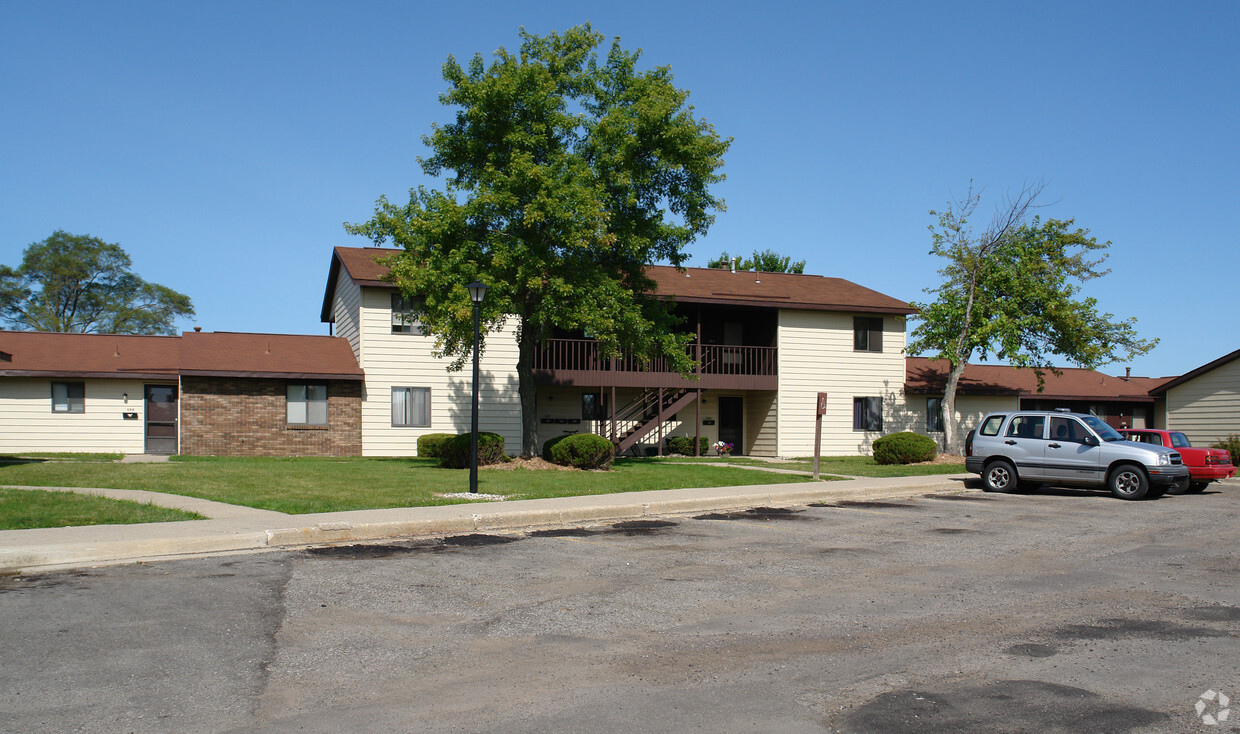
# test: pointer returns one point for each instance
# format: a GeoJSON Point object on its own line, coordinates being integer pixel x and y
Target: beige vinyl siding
{"type": "Point", "coordinates": [405, 360]}
{"type": "Point", "coordinates": [816, 355]}
{"type": "Point", "coordinates": [970, 409]}
{"type": "Point", "coordinates": [1207, 408]}
{"type": "Point", "coordinates": [346, 312]}
{"type": "Point", "coordinates": [30, 425]}
{"type": "Point", "coordinates": [761, 418]}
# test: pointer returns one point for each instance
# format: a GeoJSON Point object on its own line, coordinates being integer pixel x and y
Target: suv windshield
{"type": "Point", "coordinates": [1105, 432]}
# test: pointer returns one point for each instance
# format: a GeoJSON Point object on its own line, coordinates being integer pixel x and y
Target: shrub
{"type": "Point", "coordinates": [1232, 444]}
{"type": "Point", "coordinates": [454, 452]}
{"type": "Point", "coordinates": [684, 445]}
{"type": "Point", "coordinates": [431, 445]}
{"type": "Point", "coordinates": [547, 446]}
{"type": "Point", "coordinates": [584, 451]}
{"type": "Point", "coordinates": [904, 448]}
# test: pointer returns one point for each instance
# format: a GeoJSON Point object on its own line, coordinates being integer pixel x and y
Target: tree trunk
{"type": "Point", "coordinates": [527, 344]}
{"type": "Point", "coordinates": [949, 404]}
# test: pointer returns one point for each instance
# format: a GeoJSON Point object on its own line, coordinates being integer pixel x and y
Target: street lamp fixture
{"type": "Point", "coordinates": [477, 291]}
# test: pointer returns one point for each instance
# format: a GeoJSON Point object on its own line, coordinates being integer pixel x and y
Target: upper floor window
{"type": "Point", "coordinates": [307, 404]}
{"type": "Point", "coordinates": [68, 397]}
{"type": "Point", "coordinates": [403, 319]}
{"type": "Point", "coordinates": [867, 414]}
{"type": "Point", "coordinates": [934, 415]}
{"type": "Point", "coordinates": [411, 406]}
{"type": "Point", "coordinates": [867, 334]}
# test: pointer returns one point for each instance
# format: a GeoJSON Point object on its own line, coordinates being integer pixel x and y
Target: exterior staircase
{"type": "Point", "coordinates": [645, 414]}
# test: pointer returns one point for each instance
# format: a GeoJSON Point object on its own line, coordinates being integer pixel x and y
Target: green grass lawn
{"type": "Point", "coordinates": [305, 485]}
{"type": "Point", "coordinates": [35, 508]}
{"type": "Point", "coordinates": [850, 466]}
{"type": "Point", "coordinates": [59, 456]}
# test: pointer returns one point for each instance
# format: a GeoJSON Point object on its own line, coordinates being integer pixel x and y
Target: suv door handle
{"type": "Point", "coordinates": [1053, 445]}
{"type": "Point", "coordinates": [1010, 442]}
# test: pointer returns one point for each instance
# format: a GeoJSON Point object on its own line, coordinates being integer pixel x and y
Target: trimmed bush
{"type": "Point", "coordinates": [431, 445]}
{"type": "Point", "coordinates": [454, 452]}
{"type": "Point", "coordinates": [684, 445]}
{"type": "Point", "coordinates": [551, 442]}
{"type": "Point", "coordinates": [584, 451]}
{"type": "Point", "coordinates": [1232, 444]}
{"type": "Point", "coordinates": [904, 448]}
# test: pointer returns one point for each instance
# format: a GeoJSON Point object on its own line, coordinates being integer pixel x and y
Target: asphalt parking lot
{"type": "Point", "coordinates": [1062, 610]}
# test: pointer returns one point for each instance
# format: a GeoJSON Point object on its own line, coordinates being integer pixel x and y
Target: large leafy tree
{"type": "Point", "coordinates": [80, 283]}
{"type": "Point", "coordinates": [1013, 291]}
{"type": "Point", "coordinates": [566, 175]}
{"type": "Point", "coordinates": [766, 261]}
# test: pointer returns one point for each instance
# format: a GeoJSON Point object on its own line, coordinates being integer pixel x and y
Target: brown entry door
{"type": "Point", "coordinates": [161, 419]}
{"type": "Point", "coordinates": [732, 423]}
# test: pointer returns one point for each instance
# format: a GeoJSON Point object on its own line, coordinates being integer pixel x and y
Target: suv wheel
{"type": "Point", "coordinates": [1128, 482]}
{"type": "Point", "coordinates": [1000, 476]}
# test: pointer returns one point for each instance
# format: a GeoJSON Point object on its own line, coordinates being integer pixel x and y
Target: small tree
{"type": "Point", "coordinates": [80, 283]}
{"type": "Point", "coordinates": [1012, 291]}
{"type": "Point", "coordinates": [569, 174]}
{"type": "Point", "coordinates": [766, 261]}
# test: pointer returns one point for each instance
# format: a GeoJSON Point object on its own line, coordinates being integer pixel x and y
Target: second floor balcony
{"type": "Point", "coordinates": [720, 367]}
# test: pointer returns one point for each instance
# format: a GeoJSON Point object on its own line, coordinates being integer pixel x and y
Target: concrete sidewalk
{"type": "Point", "coordinates": [243, 529]}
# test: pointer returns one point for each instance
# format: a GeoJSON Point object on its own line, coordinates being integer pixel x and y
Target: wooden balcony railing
{"type": "Point", "coordinates": [578, 356]}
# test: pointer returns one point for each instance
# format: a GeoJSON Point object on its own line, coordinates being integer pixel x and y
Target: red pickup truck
{"type": "Point", "coordinates": [1204, 465]}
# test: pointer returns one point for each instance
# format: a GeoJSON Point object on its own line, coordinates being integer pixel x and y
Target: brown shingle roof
{"type": "Point", "coordinates": [925, 376]}
{"type": "Point", "coordinates": [693, 285]}
{"type": "Point", "coordinates": [89, 355]}
{"type": "Point", "coordinates": [37, 354]}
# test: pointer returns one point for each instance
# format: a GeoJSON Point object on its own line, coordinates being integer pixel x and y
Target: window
{"type": "Point", "coordinates": [992, 425]}
{"type": "Point", "coordinates": [307, 405]}
{"type": "Point", "coordinates": [1026, 426]}
{"type": "Point", "coordinates": [867, 334]}
{"type": "Point", "coordinates": [934, 415]}
{"type": "Point", "coordinates": [403, 319]}
{"type": "Point", "coordinates": [411, 406]}
{"type": "Point", "coordinates": [592, 407]}
{"type": "Point", "coordinates": [867, 414]}
{"type": "Point", "coordinates": [1067, 430]}
{"type": "Point", "coordinates": [68, 397]}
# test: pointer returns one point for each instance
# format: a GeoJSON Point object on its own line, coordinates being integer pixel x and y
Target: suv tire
{"type": "Point", "coordinates": [1181, 486]}
{"type": "Point", "coordinates": [1000, 476]}
{"type": "Point", "coordinates": [1128, 482]}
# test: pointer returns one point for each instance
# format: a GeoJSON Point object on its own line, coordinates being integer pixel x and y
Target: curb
{"type": "Point", "coordinates": [373, 525]}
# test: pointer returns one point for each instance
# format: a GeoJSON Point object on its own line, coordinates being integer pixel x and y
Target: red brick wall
{"type": "Point", "coordinates": [233, 416]}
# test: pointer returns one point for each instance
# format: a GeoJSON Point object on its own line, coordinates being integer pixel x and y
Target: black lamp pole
{"type": "Point", "coordinates": [476, 292]}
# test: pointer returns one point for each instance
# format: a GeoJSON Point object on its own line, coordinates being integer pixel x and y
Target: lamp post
{"type": "Point", "coordinates": [476, 292]}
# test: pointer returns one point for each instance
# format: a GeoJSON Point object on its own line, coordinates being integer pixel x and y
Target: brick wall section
{"type": "Point", "coordinates": [231, 416]}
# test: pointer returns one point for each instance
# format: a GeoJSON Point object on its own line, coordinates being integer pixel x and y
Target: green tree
{"type": "Point", "coordinates": [1012, 291]}
{"type": "Point", "coordinates": [567, 174]}
{"type": "Point", "coordinates": [766, 261]}
{"type": "Point", "coordinates": [80, 283]}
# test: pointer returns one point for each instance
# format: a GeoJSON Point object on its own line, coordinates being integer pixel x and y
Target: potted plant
{"type": "Point", "coordinates": [722, 448]}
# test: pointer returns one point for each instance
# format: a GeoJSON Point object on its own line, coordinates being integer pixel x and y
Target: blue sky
{"type": "Point", "coordinates": [223, 144]}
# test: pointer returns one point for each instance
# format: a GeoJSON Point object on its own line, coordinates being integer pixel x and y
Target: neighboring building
{"type": "Point", "coordinates": [1123, 402]}
{"type": "Point", "coordinates": [200, 393]}
{"type": "Point", "coordinates": [1205, 403]}
{"type": "Point", "coordinates": [768, 343]}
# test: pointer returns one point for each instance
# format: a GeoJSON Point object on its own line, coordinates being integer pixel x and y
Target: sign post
{"type": "Point", "coordinates": [822, 409]}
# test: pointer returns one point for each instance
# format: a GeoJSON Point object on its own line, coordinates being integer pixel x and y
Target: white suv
{"type": "Point", "coordinates": [1030, 447]}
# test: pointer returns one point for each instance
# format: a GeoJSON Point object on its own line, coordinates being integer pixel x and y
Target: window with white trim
{"type": "Point", "coordinates": [68, 397]}
{"type": "Point", "coordinates": [307, 404]}
{"type": "Point", "coordinates": [867, 414]}
{"type": "Point", "coordinates": [403, 319]}
{"type": "Point", "coordinates": [411, 406]}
